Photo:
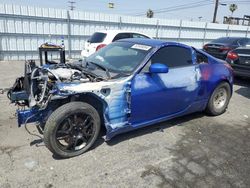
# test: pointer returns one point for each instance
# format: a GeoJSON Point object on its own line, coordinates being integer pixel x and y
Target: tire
{"type": "Point", "coordinates": [72, 129]}
{"type": "Point", "coordinates": [218, 103]}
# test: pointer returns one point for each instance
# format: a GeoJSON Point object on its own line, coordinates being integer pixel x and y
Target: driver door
{"type": "Point", "coordinates": [159, 95]}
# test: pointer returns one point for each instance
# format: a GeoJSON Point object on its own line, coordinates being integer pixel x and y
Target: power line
{"type": "Point", "coordinates": [187, 7]}
{"type": "Point", "coordinates": [236, 2]}
{"type": "Point", "coordinates": [183, 6]}
{"type": "Point", "coordinates": [180, 8]}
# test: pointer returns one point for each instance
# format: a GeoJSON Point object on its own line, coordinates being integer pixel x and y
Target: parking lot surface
{"type": "Point", "coordinates": [193, 151]}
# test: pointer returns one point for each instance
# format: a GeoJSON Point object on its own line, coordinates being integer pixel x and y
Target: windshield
{"type": "Point", "coordinates": [120, 57]}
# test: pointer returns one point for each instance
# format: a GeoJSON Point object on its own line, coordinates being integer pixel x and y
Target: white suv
{"type": "Point", "coordinates": [102, 38]}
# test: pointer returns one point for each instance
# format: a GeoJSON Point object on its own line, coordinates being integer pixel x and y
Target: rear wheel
{"type": "Point", "coordinates": [72, 129]}
{"type": "Point", "coordinates": [219, 100]}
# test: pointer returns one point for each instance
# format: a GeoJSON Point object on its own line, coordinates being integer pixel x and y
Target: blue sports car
{"type": "Point", "coordinates": [129, 84]}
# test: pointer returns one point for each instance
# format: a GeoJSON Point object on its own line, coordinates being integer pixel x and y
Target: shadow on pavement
{"type": "Point", "coordinates": [37, 143]}
{"type": "Point", "coordinates": [245, 92]}
{"type": "Point", "coordinates": [97, 143]}
{"type": "Point", "coordinates": [245, 82]}
{"type": "Point", "coordinates": [153, 128]}
{"type": "Point", "coordinates": [245, 87]}
{"type": "Point", "coordinates": [139, 132]}
{"type": "Point", "coordinates": [216, 156]}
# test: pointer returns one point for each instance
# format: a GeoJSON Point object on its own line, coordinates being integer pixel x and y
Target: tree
{"type": "Point", "coordinates": [150, 13]}
{"type": "Point", "coordinates": [232, 8]}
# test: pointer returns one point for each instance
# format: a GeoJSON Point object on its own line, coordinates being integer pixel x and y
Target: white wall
{"type": "Point", "coordinates": [24, 28]}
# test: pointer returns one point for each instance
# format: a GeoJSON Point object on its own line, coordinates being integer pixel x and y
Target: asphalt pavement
{"type": "Point", "coordinates": [193, 151]}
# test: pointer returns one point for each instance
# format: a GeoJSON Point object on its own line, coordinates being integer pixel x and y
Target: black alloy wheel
{"type": "Point", "coordinates": [72, 129]}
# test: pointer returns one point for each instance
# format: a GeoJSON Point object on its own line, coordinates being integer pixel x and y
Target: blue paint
{"type": "Point", "coordinates": [158, 95]}
{"type": "Point", "coordinates": [32, 115]}
{"type": "Point", "coordinates": [158, 68]}
{"type": "Point", "coordinates": [195, 107]}
{"type": "Point", "coordinates": [146, 98]}
{"type": "Point", "coordinates": [19, 95]}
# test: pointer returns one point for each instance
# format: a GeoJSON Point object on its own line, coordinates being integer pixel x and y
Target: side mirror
{"type": "Point", "coordinates": [158, 68]}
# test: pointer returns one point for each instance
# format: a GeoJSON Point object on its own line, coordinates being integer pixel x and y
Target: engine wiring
{"type": "Point", "coordinates": [28, 131]}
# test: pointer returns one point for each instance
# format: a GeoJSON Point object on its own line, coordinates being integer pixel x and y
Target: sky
{"type": "Point", "coordinates": [194, 10]}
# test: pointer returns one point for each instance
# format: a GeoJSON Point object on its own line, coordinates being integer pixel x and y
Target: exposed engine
{"type": "Point", "coordinates": [71, 73]}
{"type": "Point", "coordinates": [39, 83]}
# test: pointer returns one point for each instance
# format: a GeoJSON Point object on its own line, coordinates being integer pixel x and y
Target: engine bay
{"type": "Point", "coordinates": [38, 84]}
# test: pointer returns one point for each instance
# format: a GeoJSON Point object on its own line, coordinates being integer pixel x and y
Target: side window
{"type": "Point", "coordinates": [122, 36]}
{"type": "Point", "coordinates": [172, 56]}
{"type": "Point", "coordinates": [136, 35]}
{"type": "Point", "coordinates": [201, 58]}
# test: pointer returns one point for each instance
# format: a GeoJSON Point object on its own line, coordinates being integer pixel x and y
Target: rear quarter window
{"type": "Point", "coordinates": [201, 58]}
{"type": "Point", "coordinates": [97, 37]}
{"type": "Point", "coordinates": [122, 36]}
{"type": "Point", "coordinates": [137, 35]}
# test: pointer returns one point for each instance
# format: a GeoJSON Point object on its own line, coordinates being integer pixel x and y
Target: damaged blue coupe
{"type": "Point", "coordinates": [129, 84]}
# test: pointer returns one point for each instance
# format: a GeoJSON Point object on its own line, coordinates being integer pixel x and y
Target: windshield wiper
{"type": "Point", "coordinates": [85, 71]}
{"type": "Point", "coordinates": [122, 74]}
{"type": "Point", "coordinates": [101, 67]}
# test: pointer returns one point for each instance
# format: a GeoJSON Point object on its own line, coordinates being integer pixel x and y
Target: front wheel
{"type": "Point", "coordinates": [72, 129]}
{"type": "Point", "coordinates": [219, 99]}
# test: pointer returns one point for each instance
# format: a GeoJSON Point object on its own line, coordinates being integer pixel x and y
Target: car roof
{"type": "Point", "coordinates": [151, 42]}
{"type": "Point", "coordinates": [116, 31]}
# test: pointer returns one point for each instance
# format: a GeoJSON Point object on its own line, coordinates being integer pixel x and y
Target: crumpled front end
{"type": "Point", "coordinates": [44, 89]}
{"type": "Point", "coordinates": [37, 90]}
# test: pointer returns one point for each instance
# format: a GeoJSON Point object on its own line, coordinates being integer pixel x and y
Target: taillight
{"type": "Point", "coordinates": [232, 56]}
{"type": "Point", "coordinates": [100, 46]}
{"type": "Point", "coordinates": [224, 48]}
{"type": "Point", "coordinates": [205, 47]}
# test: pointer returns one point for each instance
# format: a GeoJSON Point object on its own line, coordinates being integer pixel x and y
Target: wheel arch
{"type": "Point", "coordinates": [217, 83]}
{"type": "Point", "coordinates": [210, 107]}
{"type": "Point", "coordinates": [224, 80]}
{"type": "Point", "coordinates": [92, 99]}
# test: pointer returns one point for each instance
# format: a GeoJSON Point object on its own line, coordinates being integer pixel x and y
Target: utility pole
{"type": "Point", "coordinates": [71, 6]}
{"type": "Point", "coordinates": [215, 10]}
